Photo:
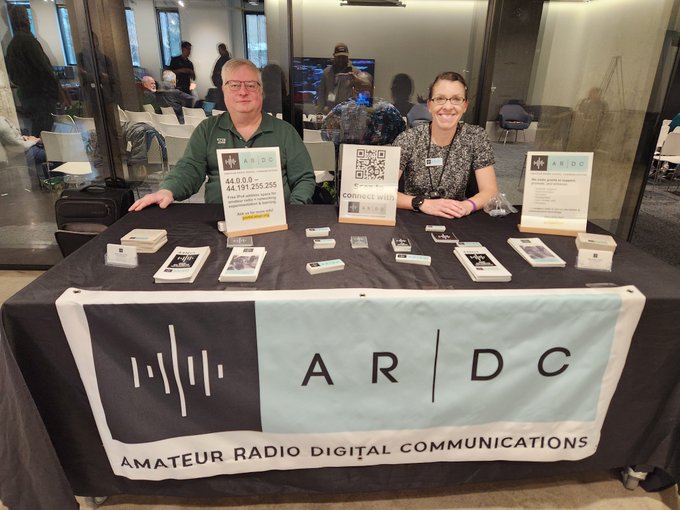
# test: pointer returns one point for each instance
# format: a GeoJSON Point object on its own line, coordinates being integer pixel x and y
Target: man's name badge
{"type": "Point", "coordinates": [434, 161]}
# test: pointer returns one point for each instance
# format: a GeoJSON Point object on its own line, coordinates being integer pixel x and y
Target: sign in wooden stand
{"type": "Point", "coordinates": [556, 193]}
{"type": "Point", "coordinates": [368, 190]}
{"type": "Point", "coordinates": [252, 191]}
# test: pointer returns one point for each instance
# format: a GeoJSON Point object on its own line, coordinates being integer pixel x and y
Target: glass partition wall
{"type": "Point", "coordinates": [586, 73]}
{"type": "Point", "coordinates": [589, 72]}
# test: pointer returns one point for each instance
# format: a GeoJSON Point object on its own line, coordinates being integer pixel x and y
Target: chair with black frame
{"type": "Point", "coordinates": [513, 117]}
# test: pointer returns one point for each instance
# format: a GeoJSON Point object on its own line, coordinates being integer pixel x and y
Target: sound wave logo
{"type": "Point", "coordinates": [175, 365]}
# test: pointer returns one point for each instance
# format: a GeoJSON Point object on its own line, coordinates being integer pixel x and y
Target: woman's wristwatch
{"type": "Point", "coordinates": [417, 202]}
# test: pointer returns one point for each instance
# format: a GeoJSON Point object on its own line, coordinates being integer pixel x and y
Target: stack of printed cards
{"type": "Point", "coordinates": [317, 231]}
{"type": "Point", "coordinates": [444, 237]}
{"type": "Point", "coordinates": [401, 244]}
{"type": "Point", "coordinates": [233, 242]}
{"type": "Point", "coordinates": [146, 240]}
{"type": "Point", "coordinates": [358, 242]}
{"type": "Point", "coordinates": [325, 266]}
{"type": "Point", "coordinates": [183, 265]}
{"type": "Point", "coordinates": [323, 244]}
{"type": "Point", "coordinates": [535, 252]}
{"type": "Point", "coordinates": [408, 258]}
{"type": "Point", "coordinates": [481, 265]}
{"type": "Point", "coordinates": [243, 264]}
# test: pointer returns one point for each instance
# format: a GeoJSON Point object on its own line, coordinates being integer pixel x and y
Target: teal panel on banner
{"type": "Point", "coordinates": [420, 362]}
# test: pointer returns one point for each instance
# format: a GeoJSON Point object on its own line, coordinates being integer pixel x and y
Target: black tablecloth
{"type": "Point", "coordinates": [641, 426]}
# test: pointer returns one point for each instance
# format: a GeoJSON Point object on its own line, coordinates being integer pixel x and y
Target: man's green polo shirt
{"type": "Point", "coordinates": [218, 132]}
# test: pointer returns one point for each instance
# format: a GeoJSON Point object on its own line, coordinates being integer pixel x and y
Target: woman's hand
{"type": "Point", "coordinates": [446, 208]}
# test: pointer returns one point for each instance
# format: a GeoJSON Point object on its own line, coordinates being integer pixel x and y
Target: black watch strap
{"type": "Point", "coordinates": [417, 202]}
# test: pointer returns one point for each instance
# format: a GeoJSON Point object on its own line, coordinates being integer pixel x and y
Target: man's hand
{"type": "Point", "coordinates": [162, 197]}
{"type": "Point", "coordinates": [446, 208]}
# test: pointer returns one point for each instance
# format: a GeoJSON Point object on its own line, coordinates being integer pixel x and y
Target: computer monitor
{"type": "Point", "coordinates": [307, 72]}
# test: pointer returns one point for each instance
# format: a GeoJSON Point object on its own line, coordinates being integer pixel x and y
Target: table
{"type": "Point", "coordinates": [640, 428]}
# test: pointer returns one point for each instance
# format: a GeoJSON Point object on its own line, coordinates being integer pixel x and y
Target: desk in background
{"type": "Point", "coordinates": [640, 428]}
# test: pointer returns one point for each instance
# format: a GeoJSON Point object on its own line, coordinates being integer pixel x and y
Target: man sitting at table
{"type": "Point", "coordinates": [243, 125]}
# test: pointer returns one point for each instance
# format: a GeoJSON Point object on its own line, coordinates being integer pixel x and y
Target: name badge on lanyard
{"type": "Point", "coordinates": [434, 161]}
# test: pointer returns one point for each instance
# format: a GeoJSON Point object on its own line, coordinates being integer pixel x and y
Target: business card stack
{"type": "Point", "coordinates": [243, 264]}
{"type": "Point", "coordinates": [324, 244]}
{"type": "Point", "coordinates": [401, 245]}
{"type": "Point", "coordinates": [444, 237]}
{"type": "Point", "coordinates": [595, 251]}
{"type": "Point", "coordinates": [325, 266]}
{"type": "Point", "coordinates": [535, 252]}
{"type": "Point", "coordinates": [481, 265]}
{"type": "Point", "coordinates": [233, 242]}
{"type": "Point", "coordinates": [183, 265]}
{"type": "Point", "coordinates": [358, 242]}
{"type": "Point", "coordinates": [146, 240]}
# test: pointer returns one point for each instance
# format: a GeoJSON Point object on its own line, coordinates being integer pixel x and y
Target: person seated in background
{"type": "Point", "coordinates": [16, 143]}
{"type": "Point", "coordinates": [362, 119]}
{"type": "Point", "coordinates": [401, 89]}
{"type": "Point", "coordinates": [149, 92]}
{"type": "Point", "coordinates": [167, 95]}
{"type": "Point", "coordinates": [243, 125]}
{"type": "Point", "coordinates": [438, 159]}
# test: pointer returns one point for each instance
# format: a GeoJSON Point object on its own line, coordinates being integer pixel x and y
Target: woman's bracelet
{"type": "Point", "coordinates": [474, 206]}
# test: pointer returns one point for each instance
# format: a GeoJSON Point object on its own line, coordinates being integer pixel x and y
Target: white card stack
{"type": "Point", "coordinates": [146, 240]}
{"type": "Point", "coordinates": [183, 265]}
{"type": "Point", "coordinates": [243, 264]}
{"type": "Point", "coordinates": [481, 265]}
{"type": "Point", "coordinates": [401, 245]}
{"type": "Point", "coordinates": [535, 252]}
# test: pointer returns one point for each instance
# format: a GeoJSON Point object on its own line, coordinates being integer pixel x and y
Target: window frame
{"type": "Point", "coordinates": [161, 26]}
{"type": "Point", "coordinates": [66, 36]}
{"type": "Point", "coordinates": [258, 15]}
{"type": "Point", "coordinates": [132, 35]}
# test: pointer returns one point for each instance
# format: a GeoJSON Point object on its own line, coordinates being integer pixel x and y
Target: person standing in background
{"type": "Point", "coordinates": [337, 80]}
{"type": "Point", "coordinates": [183, 68]}
{"type": "Point", "coordinates": [217, 70]}
{"type": "Point", "coordinates": [31, 71]}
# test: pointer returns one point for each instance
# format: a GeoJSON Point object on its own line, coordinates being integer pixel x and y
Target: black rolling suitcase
{"type": "Point", "coordinates": [83, 213]}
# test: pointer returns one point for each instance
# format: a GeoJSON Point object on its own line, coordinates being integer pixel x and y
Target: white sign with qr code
{"type": "Point", "coordinates": [368, 187]}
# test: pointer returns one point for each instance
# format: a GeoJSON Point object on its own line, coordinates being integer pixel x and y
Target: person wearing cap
{"type": "Point", "coordinates": [335, 85]}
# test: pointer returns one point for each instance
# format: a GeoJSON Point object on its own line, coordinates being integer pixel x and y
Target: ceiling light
{"type": "Point", "coordinates": [373, 3]}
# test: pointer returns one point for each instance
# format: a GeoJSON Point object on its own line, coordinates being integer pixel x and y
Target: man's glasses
{"type": "Point", "coordinates": [235, 85]}
{"type": "Point", "coordinates": [441, 100]}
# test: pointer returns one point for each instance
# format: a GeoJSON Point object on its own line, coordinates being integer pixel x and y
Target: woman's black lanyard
{"type": "Point", "coordinates": [438, 192]}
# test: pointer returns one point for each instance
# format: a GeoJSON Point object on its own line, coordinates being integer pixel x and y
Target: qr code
{"type": "Point", "coordinates": [370, 164]}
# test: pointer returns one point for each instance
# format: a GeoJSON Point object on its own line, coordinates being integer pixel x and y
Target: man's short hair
{"type": "Point", "coordinates": [235, 63]}
{"type": "Point", "coordinates": [186, 44]}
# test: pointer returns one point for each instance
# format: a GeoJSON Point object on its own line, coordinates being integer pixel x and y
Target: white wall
{"type": "Point", "coordinates": [204, 24]}
{"type": "Point", "coordinates": [421, 39]}
{"type": "Point", "coordinates": [147, 36]}
{"type": "Point", "coordinates": [205, 27]}
{"type": "Point", "coordinates": [581, 39]}
{"type": "Point", "coordinates": [47, 30]}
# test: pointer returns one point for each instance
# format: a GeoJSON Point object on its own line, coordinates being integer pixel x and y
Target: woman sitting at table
{"type": "Point", "coordinates": [438, 159]}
